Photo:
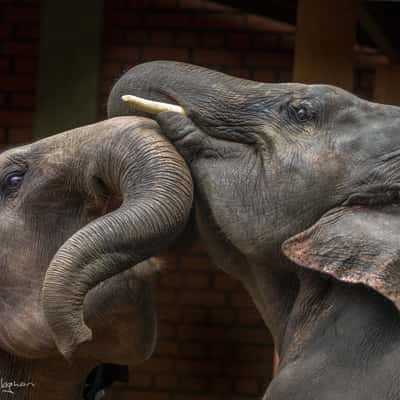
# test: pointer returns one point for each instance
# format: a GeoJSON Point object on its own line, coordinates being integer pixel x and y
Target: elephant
{"type": "Point", "coordinates": [296, 196]}
{"type": "Point", "coordinates": [81, 212]}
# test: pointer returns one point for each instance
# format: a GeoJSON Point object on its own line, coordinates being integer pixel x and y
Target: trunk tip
{"type": "Point", "coordinates": [68, 345]}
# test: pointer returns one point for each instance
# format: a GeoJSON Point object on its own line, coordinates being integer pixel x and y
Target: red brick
{"type": "Point", "coordinates": [3, 137]}
{"type": "Point", "coordinates": [127, 395]}
{"type": "Point", "coordinates": [219, 21]}
{"type": "Point", "coordinates": [26, 65]}
{"type": "Point", "coordinates": [197, 397]}
{"type": "Point", "coordinates": [256, 370]}
{"type": "Point", "coordinates": [116, 4]}
{"type": "Point", "coordinates": [139, 380]}
{"type": "Point", "coordinates": [139, 3]}
{"type": "Point", "coordinates": [19, 136]}
{"type": "Point", "coordinates": [16, 118]}
{"type": "Point", "coordinates": [194, 314]}
{"type": "Point", "coordinates": [217, 57]}
{"type": "Point", "coordinates": [192, 384]}
{"type": "Point", "coordinates": [166, 331]}
{"type": "Point", "coordinates": [197, 368]}
{"type": "Point", "coordinates": [287, 42]}
{"type": "Point", "coordinates": [170, 20]}
{"type": "Point", "coordinates": [266, 40]}
{"type": "Point", "coordinates": [124, 19]}
{"type": "Point", "coordinates": [166, 382]}
{"type": "Point", "coordinates": [253, 352]}
{"type": "Point", "coordinates": [19, 100]}
{"type": "Point", "coordinates": [239, 40]}
{"type": "Point", "coordinates": [166, 296]}
{"type": "Point", "coordinates": [157, 365]}
{"type": "Point", "coordinates": [198, 263]}
{"type": "Point", "coordinates": [165, 53]}
{"type": "Point", "coordinates": [265, 75]}
{"type": "Point", "coordinates": [284, 76]}
{"type": "Point", "coordinates": [263, 59]}
{"type": "Point", "coordinates": [193, 4]}
{"type": "Point", "coordinates": [250, 335]}
{"type": "Point", "coordinates": [167, 348]}
{"type": "Point", "coordinates": [165, 3]}
{"type": "Point", "coordinates": [169, 313]}
{"type": "Point", "coordinates": [122, 53]}
{"type": "Point", "coordinates": [27, 30]}
{"type": "Point", "coordinates": [221, 385]}
{"type": "Point", "coordinates": [224, 316]}
{"type": "Point", "coordinates": [4, 65]}
{"type": "Point", "coordinates": [202, 333]}
{"type": "Point", "coordinates": [187, 39]}
{"type": "Point", "coordinates": [221, 351]}
{"type": "Point", "coordinates": [241, 299]}
{"type": "Point", "coordinates": [16, 83]}
{"type": "Point", "coordinates": [137, 36]}
{"type": "Point", "coordinates": [164, 38]}
{"type": "Point", "coordinates": [196, 281]}
{"type": "Point", "coordinates": [5, 31]}
{"type": "Point", "coordinates": [239, 72]}
{"type": "Point", "coordinates": [249, 317]}
{"type": "Point", "coordinates": [21, 14]}
{"type": "Point", "coordinates": [246, 386]}
{"type": "Point", "coordinates": [213, 39]}
{"type": "Point", "coordinates": [19, 49]}
{"type": "Point", "coordinates": [194, 350]}
{"type": "Point", "coordinates": [202, 298]}
{"type": "Point", "coordinates": [224, 282]}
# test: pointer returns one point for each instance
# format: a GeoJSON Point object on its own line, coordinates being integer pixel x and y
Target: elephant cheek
{"type": "Point", "coordinates": [24, 331]}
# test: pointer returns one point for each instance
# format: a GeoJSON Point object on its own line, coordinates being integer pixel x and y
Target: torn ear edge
{"type": "Point", "coordinates": [357, 246]}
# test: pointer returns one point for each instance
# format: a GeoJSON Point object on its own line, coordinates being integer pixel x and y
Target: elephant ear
{"type": "Point", "coordinates": [356, 245]}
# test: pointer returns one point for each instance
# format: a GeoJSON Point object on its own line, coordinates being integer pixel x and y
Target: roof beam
{"type": "Point", "coordinates": [376, 34]}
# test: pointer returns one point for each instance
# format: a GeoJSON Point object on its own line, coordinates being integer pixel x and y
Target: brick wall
{"type": "Point", "coordinates": [19, 37]}
{"type": "Point", "coordinates": [212, 343]}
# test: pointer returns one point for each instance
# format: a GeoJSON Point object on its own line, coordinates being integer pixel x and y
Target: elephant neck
{"type": "Point", "coordinates": [339, 337]}
{"type": "Point", "coordinates": [55, 379]}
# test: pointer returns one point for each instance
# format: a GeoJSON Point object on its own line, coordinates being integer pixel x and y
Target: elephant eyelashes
{"type": "Point", "coordinates": [13, 182]}
{"type": "Point", "coordinates": [302, 112]}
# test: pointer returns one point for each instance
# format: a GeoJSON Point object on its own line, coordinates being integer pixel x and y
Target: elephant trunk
{"type": "Point", "coordinates": [201, 93]}
{"type": "Point", "coordinates": [134, 161]}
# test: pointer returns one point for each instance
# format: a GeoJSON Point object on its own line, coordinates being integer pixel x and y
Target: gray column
{"type": "Point", "coordinates": [69, 62]}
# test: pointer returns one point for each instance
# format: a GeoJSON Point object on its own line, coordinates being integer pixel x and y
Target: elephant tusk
{"type": "Point", "coordinates": [151, 107]}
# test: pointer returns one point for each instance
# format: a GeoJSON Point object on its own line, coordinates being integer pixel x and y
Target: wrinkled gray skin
{"type": "Point", "coordinates": [63, 236]}
{"type": "Point", "coordinates": [293, 190]}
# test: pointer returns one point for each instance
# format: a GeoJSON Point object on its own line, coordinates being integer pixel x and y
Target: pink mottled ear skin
{"type": "Point", "coordinates": [355, 245]}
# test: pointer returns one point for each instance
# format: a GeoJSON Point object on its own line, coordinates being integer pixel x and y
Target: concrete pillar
{"type": "Point", "coordinates": [69, 62]}
{"type": "Point", "coordinates": [387, 84]}
{"type": "Point", "coordinates": [325, 37]}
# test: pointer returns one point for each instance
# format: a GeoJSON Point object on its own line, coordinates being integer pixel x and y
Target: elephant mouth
{"type": "Point", "coordinates": [377, 197]}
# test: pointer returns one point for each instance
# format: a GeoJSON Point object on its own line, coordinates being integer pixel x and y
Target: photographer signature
{"type": "Point", "coordinates": [10, 386]}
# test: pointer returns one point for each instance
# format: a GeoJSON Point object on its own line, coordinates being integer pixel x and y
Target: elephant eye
{"type": "Point", "coordinates": [302, 112]}
{"type": "Point", "coordinates": [13, 181]}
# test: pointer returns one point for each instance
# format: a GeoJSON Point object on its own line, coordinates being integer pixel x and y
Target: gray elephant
{"type": "Point", "coordinates": [78, 210]}
{"type": "Point", "coordinates": [297, 196]}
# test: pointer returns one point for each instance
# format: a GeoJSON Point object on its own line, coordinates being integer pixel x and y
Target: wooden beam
{"type": "Point", "coordinates": [369, 24]}
{"type": "Point", "coordinates": [69, 62]}
{"type": "Point", "coordinates": [325, 37]}
{"type": "Point", "coordinates": [387, 85]}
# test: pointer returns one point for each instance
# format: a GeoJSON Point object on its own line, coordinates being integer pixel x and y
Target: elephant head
{"type": "Point", "coordinates": [268, 162]}
{"type": "Point", "coordinates": [78, 211]}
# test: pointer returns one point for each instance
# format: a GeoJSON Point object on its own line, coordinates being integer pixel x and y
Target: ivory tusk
{"type": "Point", "coordinates": [151, 107]}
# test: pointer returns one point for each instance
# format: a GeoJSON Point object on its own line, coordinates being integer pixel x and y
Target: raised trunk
{"type": "Point", "coordinates": [134, 161]}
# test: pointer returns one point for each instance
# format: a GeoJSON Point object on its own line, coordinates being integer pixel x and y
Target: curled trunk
{"type": "Point", "coordinates": [128, 157]}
